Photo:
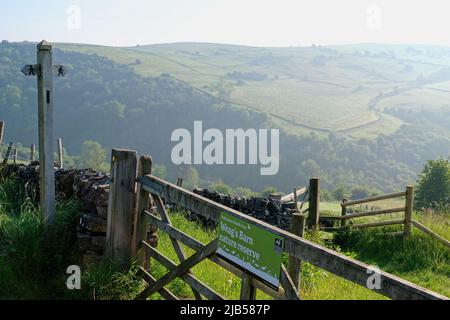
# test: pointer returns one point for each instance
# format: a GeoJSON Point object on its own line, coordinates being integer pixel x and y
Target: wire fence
{"type": "Point", "coordinates": [17, 153]}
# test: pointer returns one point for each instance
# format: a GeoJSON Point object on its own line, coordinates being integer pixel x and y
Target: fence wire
{"type": "Point", "coordinates": [22, 155]}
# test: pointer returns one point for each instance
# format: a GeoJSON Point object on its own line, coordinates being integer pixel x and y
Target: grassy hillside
{"type": "Point", "coordinates": [317, 88]}
{"type": "Point", "coordinates": [132, 98]}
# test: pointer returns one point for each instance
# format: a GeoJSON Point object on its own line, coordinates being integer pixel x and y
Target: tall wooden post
{"type": "Point", "coordinates": [121, 206]}
{"type": "Point", "coordinates": [15, 154]}
{"type": "Point", "coordinates": [8, 152]}
{"type": "Point", "coordinates": [142, 203]}
{"type": "Point", "coordinates": [314, 200]}
{"type": "Point", "coordinates": [60, 153]}
{"type": "Point", "coordinates": [32, 153]}
{"type": "Point", "coordinates": [294, 267]}
{"type": "Point", "coordinates": [2, 126]}
{"type": "Point", "coordinates": [408, 210]}
{"type": "Point", "coordinates": [46, 131]}
{"type": "Point", "coordinates": [2, 130]}
{"type": "Point", "coordinates": [343, 212]}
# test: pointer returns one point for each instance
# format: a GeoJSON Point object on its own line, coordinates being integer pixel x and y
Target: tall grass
{"type": "Point", "coordinates": [418, 259]}
{"type": "Point", "coordinates": [34, 257]}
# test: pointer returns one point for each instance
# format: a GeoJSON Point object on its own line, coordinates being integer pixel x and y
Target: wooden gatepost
{"type": "Point", "coordinates": [150, 194]}
{"type": "Point", "coordinates": [121, 205]}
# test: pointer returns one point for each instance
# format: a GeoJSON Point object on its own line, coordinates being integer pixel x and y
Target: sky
{"type": "Point", "coordinates": [245, 22]}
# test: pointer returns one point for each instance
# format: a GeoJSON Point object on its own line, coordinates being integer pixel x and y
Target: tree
{"type": "Point", "coordinates": [340, 193]}
{"type": "Point", "coordinates": [220, 187]}
{"type": "Point", "coordinates": [159, 170]}
{"type": "Point", "coordinates": [223, 89]}
{"type": "Point", "coordinates": [433, 185]}
{"type": "Point", "coordinates": [245, 192]}
{"type": "Point", "coordinates": [268, 190]}
{"type": "Point", "coordinates": [189, 175]}
{"type": "Point", "coordinates": [93, 155]}
{"type": "Point", "coordinates": [309, 168]}
{"type": "Point", "coordinates": [360, 193]}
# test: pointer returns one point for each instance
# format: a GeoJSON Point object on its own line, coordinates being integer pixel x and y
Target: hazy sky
{"type": "Point", "coordinates": [250, 22]}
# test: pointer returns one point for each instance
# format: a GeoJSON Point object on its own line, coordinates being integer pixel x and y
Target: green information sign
{"type": "Point", "coordinates": [251, 247]}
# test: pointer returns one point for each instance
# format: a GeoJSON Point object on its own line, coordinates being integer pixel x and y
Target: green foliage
{"type": "Point", "coordinates": [33, 259]}
{"type": "Point", "coordinates": [93, 155]}
{"type": "Point", "coordinates": [246, 192]}
{"type": "Point", "coordinates": [190, 176]}
{"type": "Point", "coordinates": [108, 281]}
{"type": "Point", "coordinates": [107, 101]}
{"type": "Point", "coordinates": [433, 186]}
{"type": "Point", "coordinates": [220, 187]}
{"type": "Point", "coordinates": [223, 89]}
{"type": "Point", "coordinates": [268, 190]}
{"type": "Point", "coordinates": [360, 193]}
{"type": "Point", "coordinates": [315, 282]}
{"type": "Point", "coordinates": [32, 256]}
{"type": "Point", "coordinates": [159, 170]}
{"type": "Point", "coordinates": [326, 195]}
{"type": "Point", "coordinates": [340, 193]}
{"type": "Point", "coordinates": [418, 258]}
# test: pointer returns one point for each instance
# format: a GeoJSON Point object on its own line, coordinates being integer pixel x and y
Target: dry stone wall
{"type": "Point", "coordinates": [268, 209]}
{"type": "Point", "coordinates": [91, 188]}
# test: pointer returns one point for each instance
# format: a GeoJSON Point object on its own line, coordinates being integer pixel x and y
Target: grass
{"type": "Point", "coordinates": [34, 258]}
{"type": "Point", "coordinates": [418, 259]}
{"type": "Point", "coordinates": [221, 280]}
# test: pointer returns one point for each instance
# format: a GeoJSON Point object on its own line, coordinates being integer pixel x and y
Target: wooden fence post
{"type": "Point", "coordinates": [32, 153]}
{"type": "Point", "coordinates": [314, 200]}
{"type": "Point", "coordinates": [2, 130]}
{"type": "Point", "coordinates": [343, 212]}
{"type": "Point", "coordinates": [248, 291]}
{"type": "Point", "coordinates": [294, 264]}
{"type": "Point", "coordinates": [60, 153]}
{"type": "Point", "coordinates": [15, 154]}
{"type": "Point", "coordinates": [2, 126]}
{"type": "Point", "coordinates": [142, 203]}
{"type": "Point", "coordinates": [8, 152]}
{"type": "Point", "coordinates": [121, 206]}
{"type": "Point", "coordinates": [409, 199]}
{"type": "Point", "coordinates": [295, 199]}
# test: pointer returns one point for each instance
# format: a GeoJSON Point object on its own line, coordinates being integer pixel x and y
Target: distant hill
{"type": "Point", "coordinates": [351, 117]}
{"type": "Point", "coordinates": [324, 89]}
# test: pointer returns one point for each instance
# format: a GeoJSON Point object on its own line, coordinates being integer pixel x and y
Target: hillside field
{"type": "Point", "coordinates": [341, 89]}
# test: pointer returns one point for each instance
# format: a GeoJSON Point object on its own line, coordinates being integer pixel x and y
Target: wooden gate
{"type": "Point", "coordinates": [151, 192]}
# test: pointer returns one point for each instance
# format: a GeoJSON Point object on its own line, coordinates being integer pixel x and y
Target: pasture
{"type": "Point", "coordinates": [318, 89]}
